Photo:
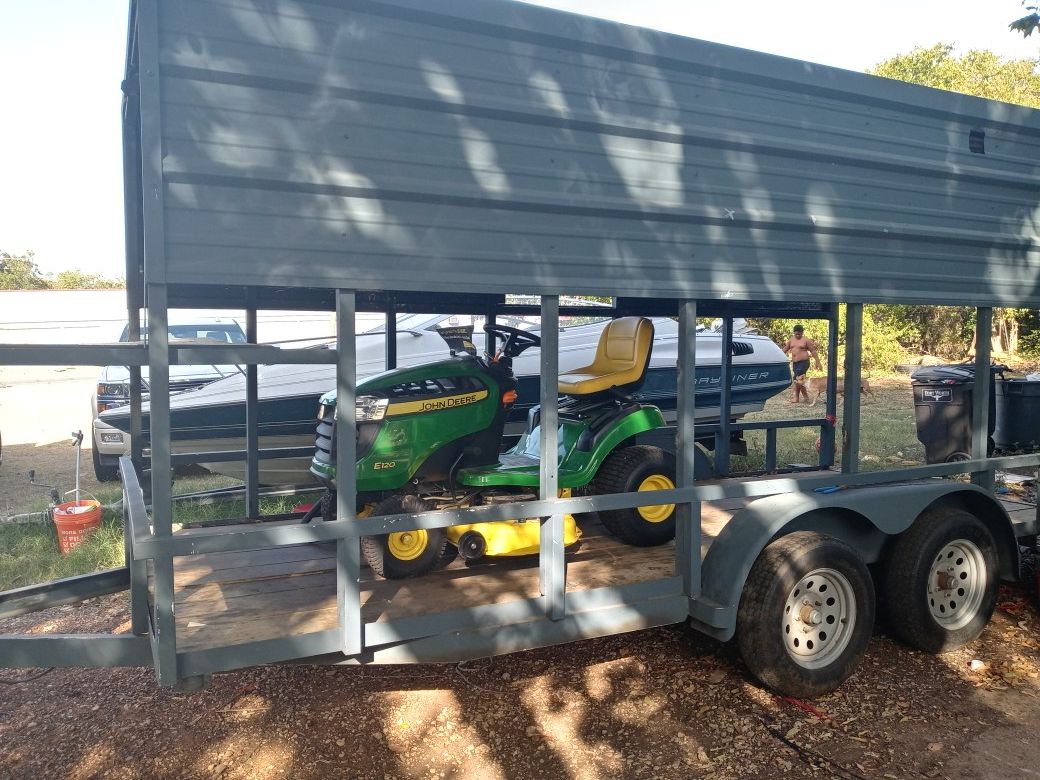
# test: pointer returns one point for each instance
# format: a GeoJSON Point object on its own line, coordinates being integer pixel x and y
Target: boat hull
{"type": "Point", "coordinates": [289, 420]}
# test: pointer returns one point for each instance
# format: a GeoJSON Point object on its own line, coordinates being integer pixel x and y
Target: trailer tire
{"type": "Point", "coordinates": [941, 580]}
{"type": "Point", "coordinates": [806, 614]}
{"type": "Point", "coordinates": [404, 554]}
{"type": "Point", "coordinates": [630, 470]}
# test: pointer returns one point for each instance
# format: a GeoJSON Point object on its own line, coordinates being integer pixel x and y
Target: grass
{"type": "Point", "coordinates": [29, 553]}
{"type": "Point", "coordinates": [888, 434]}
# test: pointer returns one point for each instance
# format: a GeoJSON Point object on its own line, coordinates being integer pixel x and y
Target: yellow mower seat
{"type": "Point", "coordinates": [622, 357]}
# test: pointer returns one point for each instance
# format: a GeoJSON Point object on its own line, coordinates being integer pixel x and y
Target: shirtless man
{"type": "Point", "coordinates": [800, 349]}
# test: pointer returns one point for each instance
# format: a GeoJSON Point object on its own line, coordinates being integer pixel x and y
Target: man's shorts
{"type": "Point", "coordinates": [800, 367]}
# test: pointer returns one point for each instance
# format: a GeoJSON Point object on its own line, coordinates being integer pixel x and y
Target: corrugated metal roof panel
{"type": "Point", "coordinates": [487, 145]}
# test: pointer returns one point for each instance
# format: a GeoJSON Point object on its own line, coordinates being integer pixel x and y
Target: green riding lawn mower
{"type": "Point", "coordinates": [429, 437]}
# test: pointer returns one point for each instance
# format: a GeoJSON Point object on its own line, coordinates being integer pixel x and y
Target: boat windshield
{"type": "Point", "coordinates": [417, 322]}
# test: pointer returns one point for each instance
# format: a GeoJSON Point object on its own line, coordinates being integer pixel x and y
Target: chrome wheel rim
{"type": "Point", "coordinates": [819, 616]}
{"type": "Point", "coordinates": [956, 584]}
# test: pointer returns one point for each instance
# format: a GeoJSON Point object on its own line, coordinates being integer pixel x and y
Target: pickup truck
{"type": "Point", "coordinates": [113, 385]}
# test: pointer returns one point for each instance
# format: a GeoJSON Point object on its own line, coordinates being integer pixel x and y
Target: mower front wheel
{"type": "Point", "coordinates": [633, 470]}
{"type": "Point", "coordinates": [404, 554]}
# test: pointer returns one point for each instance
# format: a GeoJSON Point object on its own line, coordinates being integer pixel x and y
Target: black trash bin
{"type": "Point", "coordinates": [1018, 415]}
{"type": "Point", "coordinates": [942, 409]}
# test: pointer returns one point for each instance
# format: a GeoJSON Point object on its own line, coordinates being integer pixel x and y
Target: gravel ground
{"type": "Point", "coordinates": [665, 703]}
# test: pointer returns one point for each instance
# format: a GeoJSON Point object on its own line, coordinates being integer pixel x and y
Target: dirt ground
{"type": "Point", "coordinates": [665, 703]}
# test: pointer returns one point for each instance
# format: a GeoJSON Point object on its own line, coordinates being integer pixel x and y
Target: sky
{"type": "Point", "coordinates": [62, 63]}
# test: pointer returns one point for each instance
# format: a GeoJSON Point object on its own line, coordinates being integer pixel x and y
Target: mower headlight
{"type": "Point", "coordinates": [369, 408]}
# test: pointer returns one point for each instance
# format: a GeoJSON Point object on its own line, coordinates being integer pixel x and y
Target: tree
{"type": "Point", "coordinates": [1027, 23]}
{"type": "Point", "coordinates": [80, 280]}
{"type": "Point", "coordinates": [882, 349]}
{"type": "Point", "coordinates": [980, 73]}
{"type": "Point", "coordinates": [20, 272]}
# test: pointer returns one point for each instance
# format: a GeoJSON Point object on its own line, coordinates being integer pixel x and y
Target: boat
{"type": "Point", "coordinates": [212, 418]}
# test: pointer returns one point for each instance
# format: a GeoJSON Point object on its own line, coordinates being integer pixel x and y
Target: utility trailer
{"type": "Point", "coordinates": [394, 154]}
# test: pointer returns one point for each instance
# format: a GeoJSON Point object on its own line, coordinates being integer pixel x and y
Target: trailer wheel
{"type": "Point", "coordinates": [631, 470]}
{"type": "Point", "coordinates": [941, 581]}
{"type": "Point", "coordinates": [806, 614]}
{"type": "Point", "coordinates": [404, 553]}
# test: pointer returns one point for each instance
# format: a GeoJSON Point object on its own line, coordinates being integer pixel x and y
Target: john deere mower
{"type": "Point", "coordinates": [429, 437]}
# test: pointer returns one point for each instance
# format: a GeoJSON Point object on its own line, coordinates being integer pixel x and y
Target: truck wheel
{"type": "Point", "coordinates": [941, 580]}
{"type": "Point", "coordinates": [404, 553]}
{"type": "Point", "coordinates": [806, 614]}
{"type": "Point", "coordinates": [631, 470]}
{"type": "Point", "coordinates": [102, 472]}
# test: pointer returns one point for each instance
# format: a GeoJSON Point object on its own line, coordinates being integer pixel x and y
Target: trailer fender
{"type": "Point", "coordinates": [865, 518]}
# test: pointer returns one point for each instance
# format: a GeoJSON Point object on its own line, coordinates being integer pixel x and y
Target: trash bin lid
{"type": "Point", "coordinates": [956, 374]}
{"type": "Point", "coordinates": [944, 375]}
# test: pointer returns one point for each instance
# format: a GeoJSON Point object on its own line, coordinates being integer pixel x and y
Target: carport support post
{"type": "Point", "coordinates": [551, 564]}
{"type": "Point", "coordinates": [136, 395]}
{"type": "Point", "coordinates": [688, 515]}
{"type": "Point", "coordinates": [162, 503]}
{"type": "Point", "coordinates": [252, 415]}
{"type": "Point", "coordinates": [391, 333]}
{"type": "Point", "coordinates": [490, 342]}
{"type": "Point", "coordinates": [853, 372]}
{"type": "Point", "coordinates": [348, 547]}
{"type": "Point", "coordinates": [725, 397]}
{"type": "Point", "coordinates": [980, 395]}
{"type": "Point", "coordinates": [827, 434]}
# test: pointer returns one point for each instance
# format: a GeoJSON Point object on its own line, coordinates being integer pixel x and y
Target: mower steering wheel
{"type": "Point", "coordinates": [515, 340]}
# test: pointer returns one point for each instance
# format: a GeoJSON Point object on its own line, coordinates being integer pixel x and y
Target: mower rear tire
{"type": "Point", "coordinates": [632, 470]}
{"type": "Point", "coordinates": [404, 554]}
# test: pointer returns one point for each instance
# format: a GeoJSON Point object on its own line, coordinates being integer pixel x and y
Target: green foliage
{"type": "Point", "coordinates": [81, 280]}
{"type": "Point", "coordinates": [980, 73]}
{"type": "Point", "coordinates": [945, 331]}
{"type": "Point", "coordinates": [882, 349]}
{"type": "Point", "coordinates": [882, 335]}
{"type": "Point", "coordinates": [1027, 23]}
{"type": "Point", "coordinates": [20, 272]}
{"type": "Point", "coordinates": [1029, 341]}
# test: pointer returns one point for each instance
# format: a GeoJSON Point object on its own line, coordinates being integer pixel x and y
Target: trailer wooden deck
{"type": "Point", "coordinates": [230, 598]}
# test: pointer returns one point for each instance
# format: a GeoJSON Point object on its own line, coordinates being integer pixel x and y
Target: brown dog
{"type": "Point", "coordinates": [818, 388]}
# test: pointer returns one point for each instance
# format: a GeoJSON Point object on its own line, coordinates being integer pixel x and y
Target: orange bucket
{"type": "Point", "coordinates": [75, 521]}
